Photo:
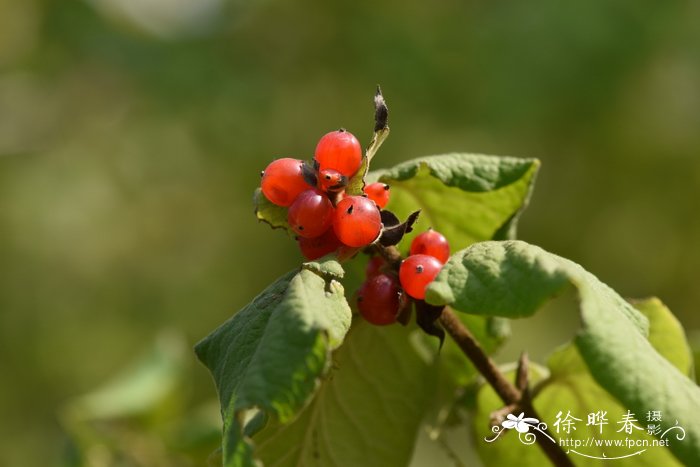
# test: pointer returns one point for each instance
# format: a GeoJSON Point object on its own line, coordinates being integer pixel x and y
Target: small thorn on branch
{"type": "Point", "coordinates": [522, 381]}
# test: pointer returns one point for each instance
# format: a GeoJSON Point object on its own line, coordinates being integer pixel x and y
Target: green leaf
{"type": "Point", "coordinates": [570, 387]}
{"type": "Point", "coordinates": [466, 197]}
{"type": "Point", "coordinates": [513, 279]}
{"type": "Point", "coordinates": [325, 267]}
{"type": "Point", "coordinates": [270, 356]}
{"type": "Point", "coordinates": [356, 185]}
{"type": "Point", "coordinates": [367, 412]}
{"type": "Point", "coordinates": [265, 211]}
{"type": "Point", "coordinates": [666, 334]}
{"type": "Point", "coordinates": [132, 416]}
{"type": "Point", "coordinates": [694, 339]}
{"type": "Point", "coordinates": [148, 383]}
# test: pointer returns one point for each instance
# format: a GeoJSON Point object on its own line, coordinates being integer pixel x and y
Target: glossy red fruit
{"type": "Point", "coordinates": [311, 214]}
{"type": "Point", "coordinates": [431, 243]}
{"type": "Point", "coordinates": [374, 266]}
{"type": "Point", "coordinates": [282, 181]}
{"type": "Point", "coordinates": [379, 193]}
{"type": "Point", "coordinates": [331, 180]}
{"type": "Point", "coordinates": [339, 150]}
{"type": "Point", "coordinates": [378, 299]}
{"type": "Point", "coordinates": [357, 221]}
{"type": "Point", "coordinates": [416, 272]}
{"type": "Point", "coordinates": [317, 247]}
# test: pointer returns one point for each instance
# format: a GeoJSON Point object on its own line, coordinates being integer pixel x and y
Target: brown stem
{"type": "Point", "coordinates": [510, 395]}
{"type": "Point", "coordinates": [390, 254]}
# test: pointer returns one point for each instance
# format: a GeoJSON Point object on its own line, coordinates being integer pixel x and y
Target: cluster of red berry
{"type": "Point", "coordinates": [320, 213]}
{"type": "Point", "coordinates": [381, 297]}
{"type": "Point", "coordinates": [327, 220]}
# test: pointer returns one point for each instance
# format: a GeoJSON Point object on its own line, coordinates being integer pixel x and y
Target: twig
{"type": "Point", "coordinates": [510, 395]}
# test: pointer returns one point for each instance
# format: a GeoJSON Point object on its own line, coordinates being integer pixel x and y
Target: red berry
{"type": "Point", "coordinates": [331, 180]}
{"type": "Point", "coordinates": [339, 150]}
{"type": "Point", "coordinates": [374, 266]}
{"type": "Point", "coordinates": [282, 181]}
{"type": "Point", "coordinates": [357, 221]}
{"type": "Point", "coordinates": [431, 243]}
{"type": "Point", "coordinates": [378, 299]}
{"type": "Point", "coordinates": [379, 193]}
{"type": "Point", "coordinates": [317, 247]}
{"type": "Point", "coordinates": [311, 214]}
{"type": "Point", "coordinates": [416, 272]}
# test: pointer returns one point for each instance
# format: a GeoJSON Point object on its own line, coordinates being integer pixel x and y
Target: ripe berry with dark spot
{"type": "Point", "coordinates": [331, 180]}
{"type": "Point", "coordinates": [416, 272]}
{"type": "Point", "coordinates": [378, 299]}
{"type": "Point", "coordinates": [282, 181]}
{"type": "Point", "coordinates": [379, 193]}
{"type": "Point", "coordinates": [431, 243]}
{"type": "Point", "coordinates": [311, 214]}
{"type": "Point", "coordinates": [357, 221]}
{"type": "Point", "coordinates": [339, 150]}
{"type": "Point", "coordinates": [317, 247]}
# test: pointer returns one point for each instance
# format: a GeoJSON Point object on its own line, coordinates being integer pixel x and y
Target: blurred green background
{"type": "Point", "coordinates": [132, 134]}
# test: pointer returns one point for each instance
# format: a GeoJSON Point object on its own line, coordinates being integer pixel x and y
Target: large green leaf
{"type": "Point", "coordinates": [270, 355]}
{"type": "Point", "coordinates": [513, 279]}
{"type": "Point", "coordinates": [467, 197]}
{"type": "Point", "coordinates": [570, 387]}
{"type": "Point", "coordinates": [367, 412]}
